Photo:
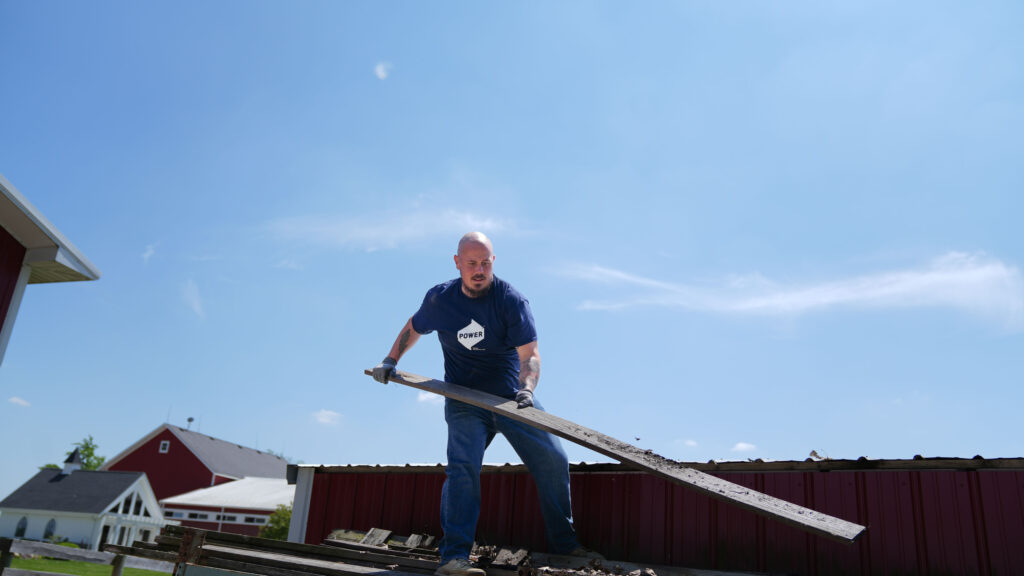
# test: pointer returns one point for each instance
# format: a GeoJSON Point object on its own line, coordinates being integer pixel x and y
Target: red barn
{"type": "Point", "coordinates": [923, 516]}
{"type": "Point", "coordinates": [32, 251]}
{"type": "Point", "coordinates": [177, 460]}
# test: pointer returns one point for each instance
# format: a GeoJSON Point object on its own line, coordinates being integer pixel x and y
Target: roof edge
{"type": "Point", "coordinates": [66, 254]}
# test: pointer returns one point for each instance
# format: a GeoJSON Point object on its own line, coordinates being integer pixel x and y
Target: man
{"type": "Point", "coordinates": [489, 343]}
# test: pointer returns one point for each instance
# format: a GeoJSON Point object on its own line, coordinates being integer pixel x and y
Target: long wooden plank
{"type": "Point", "coordinates": [746, 498]}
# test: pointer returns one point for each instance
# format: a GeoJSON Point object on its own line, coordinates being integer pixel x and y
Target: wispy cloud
{"type": "Point", "coordinates": [974, 283]}
{"type": "Point", "coordinates": [383, 231]}
{"type": "Point", "coordinates": [744, 447]}
{"type": "Point", "coordinates": [326, 417]}
{"type": "Point", "coordinates": [289, 264]}
{"type": "Point", "coordinates": [190, 295]}
{"type": "Point", "coordinates": [382, 70]}
{"type": "Point", "coordinates": [148, 253]}
{"type": "Point", "coordinates": [430, 398]}
{"type": "Point", "coordinates": [19, 401]}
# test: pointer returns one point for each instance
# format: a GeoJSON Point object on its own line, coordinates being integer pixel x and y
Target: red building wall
{"type": "Point", "coordinates": [964, 521]}
{"type": "Point", "coordinates": [211, 523]}
{"type": "Point", "coordinates": [176, 472]}
{"type": "Point", "coordinates": [12, 255]}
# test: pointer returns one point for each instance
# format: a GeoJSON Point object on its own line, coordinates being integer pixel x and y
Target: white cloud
{"type": "Point", "coordinates": [19, 401]}
{"type": "Point", "coordinates": [974, 283]}
{"type": "Point", "coordinates": [150, 250]}
{"type": "Point", "coordinates": [744, 447]}
{"type": "Point", "coordinates": [326, 417]}
{"type": "Point", "coordinates": [382, 70]}
{"type": "Point", "coordinates": [691, 443]}
{"type": "Point", "coordinates": [192, 299]}
{"type": "Point", "coordinates": [383, 231]}
{"type": "Point", "coordinates": [289, 264]}
{"type": "Point", "coordinates": [430, 398]}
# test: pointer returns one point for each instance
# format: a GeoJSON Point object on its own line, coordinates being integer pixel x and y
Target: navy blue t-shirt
{"type": "Point", "coordinates": [478, 336]}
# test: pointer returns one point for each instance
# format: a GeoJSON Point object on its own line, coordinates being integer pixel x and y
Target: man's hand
{"type": "Point", "coordinates": [524, 398]}
{"type": "Point", "coordinates": [382, 371]}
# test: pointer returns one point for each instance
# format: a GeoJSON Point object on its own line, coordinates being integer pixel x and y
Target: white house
{"type": "Point", "coordinates": [86, 507]}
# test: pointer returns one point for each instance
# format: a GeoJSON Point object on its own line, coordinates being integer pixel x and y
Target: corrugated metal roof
{"type": "Point", "coordinates": [862, 463]}
{"type": "Point", "coordinates": [254, 493]}
{"type": "Point", "coordinates": [86, 491]}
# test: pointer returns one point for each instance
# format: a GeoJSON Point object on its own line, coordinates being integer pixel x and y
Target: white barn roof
{"type": "Point", "coordinates": [252, 493]}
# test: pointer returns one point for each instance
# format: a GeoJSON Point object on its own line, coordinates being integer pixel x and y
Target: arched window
{"type": "Point", "coordinates": [51, 527]}
{"type": "Point", "coordinates": [19, 532]}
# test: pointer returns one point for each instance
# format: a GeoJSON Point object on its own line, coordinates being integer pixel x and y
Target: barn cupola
{"type": "Point", "coordinates": [74, 462]}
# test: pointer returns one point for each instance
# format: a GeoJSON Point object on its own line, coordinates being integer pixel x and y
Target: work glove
{"type": "Point", "coordinates": [524, 398]}
{"type": "Point", "coordinates": [383, 371]}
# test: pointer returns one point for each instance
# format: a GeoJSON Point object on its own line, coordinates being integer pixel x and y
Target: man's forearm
{"type": "Point", "coordinates": [529, 366]}
{"type": "Point", "coordinates": [406, 338]}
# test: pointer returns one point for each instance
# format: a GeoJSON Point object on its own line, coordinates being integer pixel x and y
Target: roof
{"type": "Point", "coordinates": [255, 493]}
{"type": "Point", "coordinates": [825, 465]}
{"type": "Point", "coordinates": [88, 491]}
{"type": "Point", "coordinates": [51, 257]}
{"type": "Point", "coordinates": [221, 457]}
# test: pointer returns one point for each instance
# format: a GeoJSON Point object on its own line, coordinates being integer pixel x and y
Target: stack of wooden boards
{"type": "Point", "coordinates": [198, 552]}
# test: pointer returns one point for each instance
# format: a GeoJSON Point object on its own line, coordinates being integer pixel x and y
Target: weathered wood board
{"type": "Point", "coordinates": [781, 510]}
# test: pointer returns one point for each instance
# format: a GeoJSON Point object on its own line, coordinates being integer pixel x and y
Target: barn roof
{"type": "Point", "coordinates": [88, 491]}
{"type": "Point", "coordinates": [221, 457]}
{"type": "Point", "coordinates": [252, 493]}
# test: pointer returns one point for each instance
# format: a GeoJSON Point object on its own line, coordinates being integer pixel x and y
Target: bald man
{"type": "Point", "coordinates": [489, 343]}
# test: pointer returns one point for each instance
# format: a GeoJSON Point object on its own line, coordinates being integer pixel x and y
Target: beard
{"type": "Point", "coordinates": [482, 291]}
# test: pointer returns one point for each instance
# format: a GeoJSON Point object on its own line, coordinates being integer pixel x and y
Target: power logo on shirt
{"type": "Point", "coordinates": [471, 334]}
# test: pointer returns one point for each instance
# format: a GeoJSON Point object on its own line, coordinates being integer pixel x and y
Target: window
{"type": "Point", "coordinates": [197, 516]}
{"type": "Point", "coordinates": [51, 527]}
{"type": "Point", "coordinates": [19, 532]}
{"type": "Point", "coordinates": [138, 506]}
{"type": "Point", "coordinates": [145, 535]}
{"type": "Point", "coordinates": [127, 505]}
{"type": "Point", "coordinates": [255, 520]}
{"type": "Point", "coordinates": [169, 514]}
{"type": "Point", "coordinates": [227, 518]}
{"type": "Point", "coordinates": [165, 445]}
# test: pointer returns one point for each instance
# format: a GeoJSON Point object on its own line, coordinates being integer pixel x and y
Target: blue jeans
{"type": "Point", "coordinates": [470, 431]}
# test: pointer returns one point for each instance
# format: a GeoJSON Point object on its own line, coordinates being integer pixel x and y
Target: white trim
{"type": "Point", "coordinates": [121, 455]}
{"type": "Point", "coordinates": [12, 309]}
{"type": "Point", "coordinates": [34, 231]}
{"type": "Point", "coordinates": [300, 506]}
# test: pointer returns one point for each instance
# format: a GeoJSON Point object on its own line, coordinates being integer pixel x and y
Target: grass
{"type": "Point", "coordinates": [76, 568]}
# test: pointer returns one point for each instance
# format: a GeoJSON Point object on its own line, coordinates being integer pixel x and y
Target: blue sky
{"type": "Point", "coordinates": [747, 229]}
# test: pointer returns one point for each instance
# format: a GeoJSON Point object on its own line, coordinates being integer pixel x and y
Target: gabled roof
{"type": "Point", "coordinates": [88, 491]}
{"type": "Point", "coordinates": [50, 255]}
{"type": "Point", "coordinates": [221, 457]}
{"type": "Point", "coordinates": [255, 493]}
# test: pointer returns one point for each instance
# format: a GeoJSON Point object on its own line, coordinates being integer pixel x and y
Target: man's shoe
{"type": "Point", "coordinates": [459, 567]}
{"type": "Point", "coordinates": [581, 552]}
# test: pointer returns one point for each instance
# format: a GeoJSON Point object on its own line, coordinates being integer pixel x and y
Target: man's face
{"type": "Point", "coordinates": [475, 262]}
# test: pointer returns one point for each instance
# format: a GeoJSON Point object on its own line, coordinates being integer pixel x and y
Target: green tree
{"type": "Point", "coordinates": [277, 527]}
{"type": "Point", "coordinates": [87, 451]}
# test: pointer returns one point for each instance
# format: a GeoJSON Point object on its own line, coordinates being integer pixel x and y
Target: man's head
{"type": "Point", "coordinates": [475, 260]}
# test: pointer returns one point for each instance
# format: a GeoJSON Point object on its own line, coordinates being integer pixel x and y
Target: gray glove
{"type": "Point", "coordinates": [383, 371]}
{"type": "Point", "coordinates": [524, 398]}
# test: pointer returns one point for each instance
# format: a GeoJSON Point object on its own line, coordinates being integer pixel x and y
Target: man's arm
{"type": "Point", "coordinates": [529, 373]}
{"type": "Point", "coordinates": [406, 338]}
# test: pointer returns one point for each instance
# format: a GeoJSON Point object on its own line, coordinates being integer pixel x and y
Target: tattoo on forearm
{"type": "Point", "coordinates": [403, 342]}
{"type": "Point", "coordinates": [530, 373]}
